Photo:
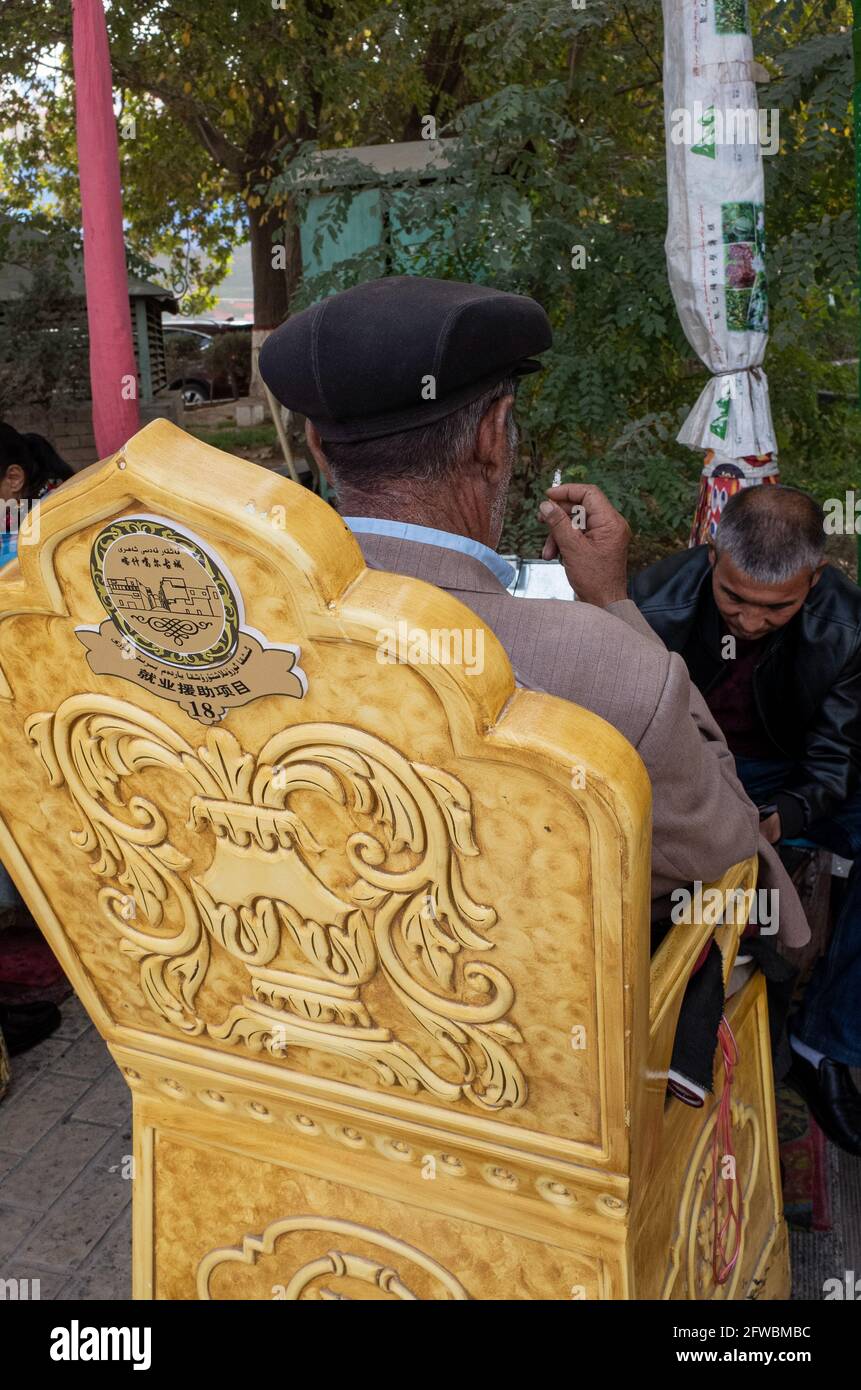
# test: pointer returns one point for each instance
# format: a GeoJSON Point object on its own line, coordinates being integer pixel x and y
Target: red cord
{"type": "Point", "coordinates": [722, 1147]}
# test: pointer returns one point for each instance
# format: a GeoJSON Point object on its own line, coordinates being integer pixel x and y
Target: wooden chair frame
{"type": "Point", "coordinates": [429, 1127]}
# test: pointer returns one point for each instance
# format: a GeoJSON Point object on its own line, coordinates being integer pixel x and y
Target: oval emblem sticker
{"type": "Point", "coordinates": [175, 622]}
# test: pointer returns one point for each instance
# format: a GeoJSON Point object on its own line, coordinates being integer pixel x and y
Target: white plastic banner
{"type": "Point", "coordinates": [716, 220]}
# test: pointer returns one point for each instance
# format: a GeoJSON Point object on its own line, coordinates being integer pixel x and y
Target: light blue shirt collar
{"type": "Point", "coordinates": [427, 535]}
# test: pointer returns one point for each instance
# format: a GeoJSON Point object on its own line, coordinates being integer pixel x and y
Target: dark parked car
{"type": "Point", "coordinates": [208, 361]}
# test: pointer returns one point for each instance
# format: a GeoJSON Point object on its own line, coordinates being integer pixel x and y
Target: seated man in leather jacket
{"type": "Point", "coordinates": [771, 635]}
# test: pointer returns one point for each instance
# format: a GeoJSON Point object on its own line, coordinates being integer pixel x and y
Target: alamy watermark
{"type": "Point", "coordinates": [22, 517]}
{"type": "Point", "coordinates": [20, 1290]}
{"type": "Point", "coordinates": [77, 1343]}
{"type": "Point", "coordinates": [842, 515]}
{"type": "Point", "coordinates": [734, 906]}
{"type": "Point", "coordinates": [434, 646]}
{"type": "Point", "coordinates": [703, 129]}
{"type": "Point", "coordinates": [848, 1288]}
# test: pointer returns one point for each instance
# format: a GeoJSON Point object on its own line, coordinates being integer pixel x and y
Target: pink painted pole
{"type": "Point", "coordinates": [113, 370]}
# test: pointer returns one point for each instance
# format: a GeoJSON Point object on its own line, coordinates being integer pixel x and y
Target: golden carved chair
{"type": "Point", "coordinates": [368, 939]}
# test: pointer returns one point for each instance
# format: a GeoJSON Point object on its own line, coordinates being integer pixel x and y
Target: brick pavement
{"type": "Point", "coordinates": [65, 1138]}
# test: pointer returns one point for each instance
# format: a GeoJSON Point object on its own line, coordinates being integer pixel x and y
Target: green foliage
{"type": "Point", "coordinates": [230, 355]}
{"type": "Point", "coordinates": [231, 437]}
{"type": "Point", "coordinates": [558, 117]}
{"type": "Point", "coordinates": [211, 95]}
{"type": "Point", "coordinates": [562, 146]}
{"type": "Point", "coordinates": [43, 335]}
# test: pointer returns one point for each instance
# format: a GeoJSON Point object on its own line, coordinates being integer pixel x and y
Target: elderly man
{"type": "Point", "coordinates": [408, 386]}
{"type": "Point", "coordinates": [771, 635]}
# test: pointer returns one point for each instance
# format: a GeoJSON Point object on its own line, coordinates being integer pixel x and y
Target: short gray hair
{"type": "Point", "coordinates": [771, 533]}
{"type": "Point", "coordinates": [424, 455]}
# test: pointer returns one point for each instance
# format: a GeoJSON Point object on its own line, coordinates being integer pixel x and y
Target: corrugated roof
{"type": "Point", "coordinates": [404, 157]}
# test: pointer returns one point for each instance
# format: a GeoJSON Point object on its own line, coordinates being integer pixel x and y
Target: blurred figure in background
{"type": "Point", "coordinates": [771, 635]}
{"type": "Point", "coordinates": [30, 467]}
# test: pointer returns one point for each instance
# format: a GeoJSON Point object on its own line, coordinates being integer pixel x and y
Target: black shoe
{"type": "Point", "coordinates": [25, 1025]}
{"type": "Point", "coordinates": [832, 1097]}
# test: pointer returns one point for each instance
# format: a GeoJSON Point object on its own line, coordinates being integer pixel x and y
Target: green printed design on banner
{"type": "Point", "coordinates": [720, 424]}
{"type": "Point", "coordinates": [706, 145]}
{"type": "Point", "coordinates": [745, 283]}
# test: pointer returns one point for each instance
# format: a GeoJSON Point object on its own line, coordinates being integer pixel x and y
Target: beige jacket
{"type": "Point", "coordinates": [611, 662]}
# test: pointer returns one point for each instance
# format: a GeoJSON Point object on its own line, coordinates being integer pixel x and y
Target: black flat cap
{"type": "Point", "coordinates": [359, 364]}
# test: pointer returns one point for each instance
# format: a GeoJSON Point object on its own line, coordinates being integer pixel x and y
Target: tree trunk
{"type": "Point", "coordinates": [276, 267]}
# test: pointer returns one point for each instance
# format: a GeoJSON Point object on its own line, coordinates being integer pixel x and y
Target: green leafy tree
{"type": "Point", "coordinates": [556, 187]}
{"type": "Point", "coordinates": [211, 96]}
{"type": "Point", "coordinates": [43, 336]}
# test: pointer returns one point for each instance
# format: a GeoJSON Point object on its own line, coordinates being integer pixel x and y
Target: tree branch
{"type": "Point", "coordinates": [655, 64]}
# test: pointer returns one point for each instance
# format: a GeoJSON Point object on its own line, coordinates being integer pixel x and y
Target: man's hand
{"type": "Point", "coordinates": [770, 827]}
{"type": "Point", "coordinates": [590, 538]}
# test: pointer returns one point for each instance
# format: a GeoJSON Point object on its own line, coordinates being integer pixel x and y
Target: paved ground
{"type": "Point", "coordinates": [65, 1140]}
{"type": "Point", "coordinates": [65, 1145]}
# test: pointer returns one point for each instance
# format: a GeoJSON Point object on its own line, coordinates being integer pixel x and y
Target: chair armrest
{"type": "Point", "coordinates": [677, 954]}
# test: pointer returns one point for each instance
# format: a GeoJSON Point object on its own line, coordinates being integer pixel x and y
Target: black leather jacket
{"type": "Point", "coordinates": [807, 685]}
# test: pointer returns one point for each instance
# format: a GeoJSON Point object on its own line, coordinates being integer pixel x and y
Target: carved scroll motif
{"type": "Point", "coordinates": [308, 949]}
{"type": "Point", "coordinates": [337, 1264]}
{"type": "Point", "coordinates": [692, 1246]}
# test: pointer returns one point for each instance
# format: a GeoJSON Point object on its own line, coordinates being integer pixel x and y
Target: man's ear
{"type": "Point", "coordinates": [315, 444]}
{"type": "Point", "coordinates": [713, 555]}
{"type": "Point", "coordinates": [491, 443]}
{"type": "Point", "coordinates": [14, 479]}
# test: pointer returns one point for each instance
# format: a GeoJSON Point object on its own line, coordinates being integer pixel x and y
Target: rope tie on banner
{"type": "Point", "coordinates": [727, 1232]}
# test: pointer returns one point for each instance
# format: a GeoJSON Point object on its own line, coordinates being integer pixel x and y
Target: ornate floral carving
{"type": "Point", "coordinates": [692, 1246]}
{"type": "Point", "coordinates": [308, 949]}
{"type": "Point", "coordinates": [302, 1283]}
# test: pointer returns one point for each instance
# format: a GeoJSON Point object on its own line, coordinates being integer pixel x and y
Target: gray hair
{"type": "Point", "coordinates": [425, 455]}
{"type": "Point", "coordinates": [771, 533]}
